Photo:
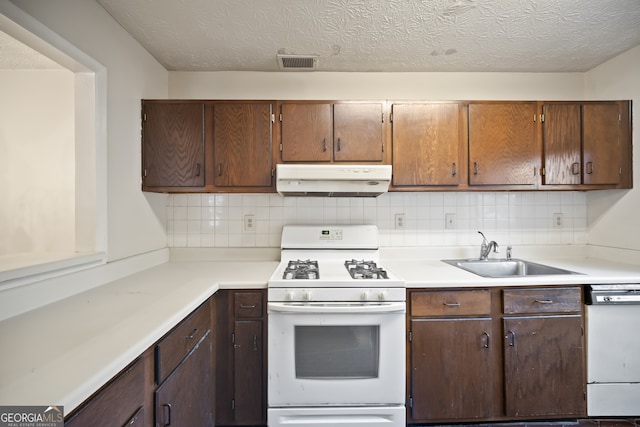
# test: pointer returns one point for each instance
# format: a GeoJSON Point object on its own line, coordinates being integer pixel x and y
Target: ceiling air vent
{"type": "Point", "coordinates": [297, 62]}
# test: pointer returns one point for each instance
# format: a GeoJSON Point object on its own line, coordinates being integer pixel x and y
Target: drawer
{"type": "Point", "coordinates": [450, 303]}
{"type": "Point", "coordinates": [178, 343]}
{"type": "Point", "coordinates": [542, 300]}
{"type": "Point", "coordinates": [248, 304]}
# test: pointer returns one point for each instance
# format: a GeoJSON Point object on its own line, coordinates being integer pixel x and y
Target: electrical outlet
{"type": "Point", "coordinates": [400, 221]}
{"type": "Point", "coordinates": [557, 220]}
{"type": "Point", "coordinates": [249, 222]}
{"type": "Point", "coordinates": [450, 221]}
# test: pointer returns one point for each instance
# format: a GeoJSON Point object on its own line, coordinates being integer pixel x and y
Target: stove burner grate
{"type": "Point", "coordinates": [361, 269]}
{"type": "Point", "coordinates": [301, 269]}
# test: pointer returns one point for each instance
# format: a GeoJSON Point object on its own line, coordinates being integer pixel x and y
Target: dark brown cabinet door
{"type": "Point", "coordinates": [503, 148]}
{"type": "Point", "coordinates": [358, 132]}
{"type": "Point", "coordinates": [562, 141]}
{"type": "Point", "coordinates": [242, 144]}
{"type": "Point", "coordinates": [241, 383]}
{"type": "Point", "coordinates": [247, 359]}
{"type": "Point", "coordinates": [426, 144]}
{"type": "Point", "coordinates": [325, 132]}
{"type": "Point", "coordinates": [185, 397]}
{"type": "Point", "coordinates": [544, 366]}
{"type": "Point", "coordinates": [453, 369]}
{"type": "Point", "coordinates": [602, 143]}
{"type": "Point", "coordinates": [173, 141]}
{"type": "Point", "coordinates": [307, 132]}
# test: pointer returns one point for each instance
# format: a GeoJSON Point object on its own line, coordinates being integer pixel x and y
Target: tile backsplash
{"type": "Point", "coordinates": [222, 220]}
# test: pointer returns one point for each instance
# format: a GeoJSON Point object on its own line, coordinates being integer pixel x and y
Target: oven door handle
{"type": "Point", "coordinates": [346, 307]}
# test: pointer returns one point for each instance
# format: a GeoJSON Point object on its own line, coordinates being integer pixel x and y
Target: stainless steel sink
{"type": "Point", "coordinates": [497, 268]}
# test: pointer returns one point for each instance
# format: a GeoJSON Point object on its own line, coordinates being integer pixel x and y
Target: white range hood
{"type": "Point", "coordinates": [332, 180]}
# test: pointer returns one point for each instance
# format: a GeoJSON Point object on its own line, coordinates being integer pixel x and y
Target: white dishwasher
{"type": "Point", "coordinates": [613, 350]}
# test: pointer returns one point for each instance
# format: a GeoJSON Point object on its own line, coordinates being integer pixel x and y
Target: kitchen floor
{"type": "Point", "coordinates": [615, 422]}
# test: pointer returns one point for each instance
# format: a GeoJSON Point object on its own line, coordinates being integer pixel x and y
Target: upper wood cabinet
{"type": "Point", "coordinates": [503, 144]}
{"type": "Point", "coordinates": [173, 144]}
{"type": "Point", "coordinates": [207, 146]}
{"type": "Point", "coordinates": [332, 132]}
{"type": "Point", "coordinates": [587, 143]}
{"type": "Point", "coordinates": [242, 144]}
{"type": "Point", "coordinates": [429, 144]}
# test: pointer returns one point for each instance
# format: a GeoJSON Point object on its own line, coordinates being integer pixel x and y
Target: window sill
{"type": "Point", "coordinates": [20, 269]}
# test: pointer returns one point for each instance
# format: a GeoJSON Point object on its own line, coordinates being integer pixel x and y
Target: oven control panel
{"type": "Point", "coordinates": [330, 294]}
{"type": "Point", "coordinates": [331, 234]}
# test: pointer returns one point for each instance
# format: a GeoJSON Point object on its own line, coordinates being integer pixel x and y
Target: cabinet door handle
{"type": "Point", "coordinates": [589, 168]}
{"type": "Point", "coordinates": [451, 304]}
{"type": "Point", "coordinates": [338, 144]}
{"type": "Point", "coordinates": [454, 169]}
{"type": "Point", "coordinates": [511, 338]}
{"type": "Point", "coordinates": [197, 169]}
{"type": "Point", "coordinates": [575, 168]}
{"type": "Point", "coordinates": [255, 343]}
{"type": "Point", "coordinates": [324, 144]}
{"type": "Point", "coordinates": [192, 334]}
{"type": "Point", "coordinates": [219, 169]}
{"type": "Point", "coordinates": [247, 306]}
{"type": "Point", "coordinates": [476, 168]}
{"type": "Point", "coordinates": [166, 409]}
{"type": "Point", "coordinates": [544, 301]}
{"type": "Point", "coordinates": [485, 339]}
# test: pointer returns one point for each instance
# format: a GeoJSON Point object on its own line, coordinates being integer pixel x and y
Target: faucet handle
{"type": "Point", "coordinates": [509, 252]}
{"type": "Point", "coordinates": [484, 239]}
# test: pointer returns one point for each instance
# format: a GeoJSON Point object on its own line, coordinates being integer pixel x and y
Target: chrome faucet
{"type": "Point", "coordinates": [486, 247]}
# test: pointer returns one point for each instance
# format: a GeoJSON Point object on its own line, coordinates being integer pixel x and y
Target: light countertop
{"type": "Point", "coordinates": [63, 352]}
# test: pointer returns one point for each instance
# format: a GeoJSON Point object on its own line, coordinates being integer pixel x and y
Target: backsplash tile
{"type": "Point", "coordinates": [514, 218]}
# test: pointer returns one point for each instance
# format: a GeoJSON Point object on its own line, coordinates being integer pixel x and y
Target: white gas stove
{"type": "Point", "coordinates": [336, 321]}
{"type": "Point", "coordinates": [333, 263]}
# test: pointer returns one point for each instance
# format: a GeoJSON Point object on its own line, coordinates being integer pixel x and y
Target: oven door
{"type": "Point", "coordinates": [336, 354]}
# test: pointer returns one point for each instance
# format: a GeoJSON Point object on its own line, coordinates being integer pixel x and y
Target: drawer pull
{"type": "Point", "coordinates": [192, 335]}
{"type": "Point", "coordinates": [511, 338]}
{"type": "Point", "coordinates": [166, 414]}
{"type": "Point", "coordinates": [451, 304]}
{"type": "Point", "coordinates": [255, 343]}
{"type": "Point", "coordinates": [544, 301]}
{"type": "Point", "coordinates": [247, 306]}
{"type": "Point", "coordinates": [485, 340]}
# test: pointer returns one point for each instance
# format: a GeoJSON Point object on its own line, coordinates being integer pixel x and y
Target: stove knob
{"type": "Point", "coordinates": [382, 295]}
{"type": "Point", "coordinates": [306, 295]}
{"type": "Point", "coordinates": [364, 295]}
{"type": "Point", "coordinates": [289, 295]}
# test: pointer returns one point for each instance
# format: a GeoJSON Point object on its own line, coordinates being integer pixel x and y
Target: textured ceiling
{"type": "Point", "coordinates": [382, 35]}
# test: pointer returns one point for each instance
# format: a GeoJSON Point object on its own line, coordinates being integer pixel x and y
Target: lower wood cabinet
{"type": "Point", "coordinates": [495, 354]}
{"type": "Point", "coordinates": [127, 400]}
{"type": "Point", "coordinates": [170, 384]}
{"type": "Point", "coordinates": [241, 383]}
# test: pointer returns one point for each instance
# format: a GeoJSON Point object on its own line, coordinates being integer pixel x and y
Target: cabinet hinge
{"type": "Point", "coordinates": [542, 172]}
{"type": "Point", "coordinates": [390, 117]}
{"type": "Point", "coordinates": [273, 172]}
{"type": "Point", "coordinates": [144, 117]}
{"type": "Point", "coordinates": [541, 118]}
{"type": "Point", "coordinates": [233, 338]}
{"type": "Point", "coordinates": [281, 147]}
{"type": "Point", "coordinates": [144, 175]}
{"type": "Point", "coordinates": [410, 336]}
{"type": "Point", "coordinates": [410, 402]}
{"type": "Point", "coordinates": [273, 118]}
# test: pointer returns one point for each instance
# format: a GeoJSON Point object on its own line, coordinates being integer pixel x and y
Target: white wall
{"type": "Point", "coordinates": [136, 222]}
{"type": "Point", "coordinates": [336, 86]}
{"type": "Point", "coordinates": [613, 219]}
{"type": "Point", "coordinates": [37, 199]}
